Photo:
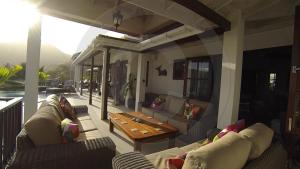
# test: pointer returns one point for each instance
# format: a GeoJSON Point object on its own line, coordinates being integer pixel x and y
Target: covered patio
{"type": "Point", "coordinates": [181, 50]}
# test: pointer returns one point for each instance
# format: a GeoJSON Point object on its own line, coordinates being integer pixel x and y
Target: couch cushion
{"type": "Point", "coordinates": [53, 100]}
{"type": "Point", "coordinates": [158, 159]}
{"type": "Point", "coordinates": [162, 116]}
{"type": "Point", "coordinates": [175, 105]}
{"type": "Point", "coordinates": [85, 125]}
{"type": "Point", "coordinates": [43, 128]}
{"type": "Point", "coordinates": [179, 122]}
{"type": "Point", "coordinates": [260, 136]}
{"type": "Point", "coordinates": [148, 111]}
{"type": "Point", "coordinates": [200, 103]}
{"type": "Point", "coordinates": [89, 135]}
{"type": "Point", "coordinates": [84, 116]}
{"type": "Point", "coordinates": [194, 146]}
{"type": "Point", "coordinates": [229, 152]}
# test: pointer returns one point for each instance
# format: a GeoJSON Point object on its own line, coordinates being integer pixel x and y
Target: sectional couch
{"type": "Point", "coordinates": [252, 148]}
{"type": "Point", "coordinates": [39, 144]}
{"type": "Point", "coordinates": [172, 113]}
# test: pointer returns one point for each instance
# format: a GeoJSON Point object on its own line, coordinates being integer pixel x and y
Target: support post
{"type": "Point", "coordinates": [81, 79]}
{"type": "Point", "coordinates": [104, 85]}
{"type": "Point", "coordinates": [233, 45]}
{"type": "Point", "coordinates": [99, 80]}
{"type": "Point", "coordinates": [140, 82]}
{"type": "Point", "coordinates": [91, 81]}
{"type": "Point", "coordinates": [76, 77]}
{"type": "Point", "coordinates": [32, 69]}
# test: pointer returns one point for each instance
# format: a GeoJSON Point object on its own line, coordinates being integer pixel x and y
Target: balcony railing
{"type": "Point", "coordinates": [10, 126]}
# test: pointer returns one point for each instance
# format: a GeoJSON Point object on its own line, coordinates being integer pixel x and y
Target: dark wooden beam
{"type": "Point", "coordinates": [164, 29]}
{"type": "Point", "coordinates": [99, 77]}
{"type": "Point", "coordinates": [91, 81]}
{"type": "Point", "coordinates": [199, 8]}
{"type": "Point", "coordinates": [294, 89]}
{"type": "Point", "coordinates": [105, 114]}
{"type": "Point", "coordinates": [81, 79]}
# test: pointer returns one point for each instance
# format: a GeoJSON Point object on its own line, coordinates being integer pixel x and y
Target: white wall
{"type": "Point", "coordinates": [211, 46]}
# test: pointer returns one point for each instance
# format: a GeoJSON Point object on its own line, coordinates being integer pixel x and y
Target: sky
{"type": "Point", "coordinates": [69, 37]}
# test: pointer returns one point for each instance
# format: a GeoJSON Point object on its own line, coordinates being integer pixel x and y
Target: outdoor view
{"type": "Point", "coordinates": [60, 40]}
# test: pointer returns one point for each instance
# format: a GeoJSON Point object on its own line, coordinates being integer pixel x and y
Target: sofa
{"type": "Point", "coordinates": [252, 148]}
{"type": "Point", "coordinates": [39, 144]}
{"type": "Point", "coordinates": [172, 112]}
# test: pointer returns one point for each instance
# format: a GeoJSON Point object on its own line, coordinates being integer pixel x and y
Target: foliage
{"type": "Point", "coordinates": [43, 76]}
{"type": "Point", "coordinates": [61, 72]}
{"type": "Point", "coordinates": [129, 87]}
{"type": "Point", "coordinates": [8, 72]}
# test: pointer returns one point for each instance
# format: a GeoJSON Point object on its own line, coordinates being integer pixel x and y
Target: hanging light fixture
{"type": "Point", "coordinates": [117, 19]}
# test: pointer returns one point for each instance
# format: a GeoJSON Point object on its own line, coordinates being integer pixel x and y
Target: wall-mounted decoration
{"type": "Point", "coordinates": [161, 72]}
{"type": "Point", "coordinates": [178, 69]}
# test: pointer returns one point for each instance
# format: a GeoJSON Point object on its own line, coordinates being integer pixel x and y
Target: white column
{"type": "Point", "coordinates": [104, 86]}
{"type": "Point", "coordinates": [32, 68]}
{"type": "Point", "coordinates": [233, 45]}
{"type": "Point", "coordinates": [77, 76]}
{"type": "Point", "coordinates": [131, 69]}
{"type": "Point", "coordinates": [140, 82]}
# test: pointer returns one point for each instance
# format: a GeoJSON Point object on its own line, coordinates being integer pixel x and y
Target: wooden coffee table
{"type": "Point", "coordinates": [146, 130]}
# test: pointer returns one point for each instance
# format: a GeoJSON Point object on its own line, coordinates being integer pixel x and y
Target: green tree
{"type": "Point", "coordinates": [7, 72]}
{"type": "Point", "coordinates": [43, 76]}
{"type": "Point", "coordinates": [61, 72]}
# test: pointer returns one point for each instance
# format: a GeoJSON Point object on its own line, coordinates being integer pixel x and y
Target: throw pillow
{"type": "Point", "coordinates": [176, 162]}
{"type": "Point", "coordinates": [158, 103]}
{"type": "Point", "coordinates": [195, 112]}
{"type": "Point", "coordinates": [70, 131]}
{"type": "Point", "coordinates": [260, 136]}
{"type": "Point", "coordinates": [67, 108]}
{"type": "Point", "coordinates": [230, 153]}
{"type": "Point", "coordinates": [238, 126]}
{"type": "Point", "coordinates": [191, 110]}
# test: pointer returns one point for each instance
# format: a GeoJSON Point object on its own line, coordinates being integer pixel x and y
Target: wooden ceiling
{"type": "Point", "coordinates": [148, 18]}
{"type": "Point", "coordinates": [139, 20]}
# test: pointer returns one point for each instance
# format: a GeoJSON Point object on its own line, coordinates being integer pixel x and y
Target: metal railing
{"type": "Point", "coordinates": [10, 126]}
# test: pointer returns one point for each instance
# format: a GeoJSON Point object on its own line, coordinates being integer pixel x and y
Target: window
{"type": "Point", "coordinates": [178, 69]}
{"type": "Point", "coordinates": [272, 81]}
{"type": "Point", "coordinates": [198, 79]}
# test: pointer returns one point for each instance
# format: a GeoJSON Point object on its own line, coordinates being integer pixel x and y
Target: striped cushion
{"type": "Point", "coordinates": [132, 160]}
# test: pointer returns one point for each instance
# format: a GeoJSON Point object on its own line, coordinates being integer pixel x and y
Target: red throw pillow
{"type": "Point", "coordinates": [237, 127]}
{"type": "Point", "coordinates": [176, 162]}
{"type": "Point", "coordinates": [195, 111]}
{"type": "Point", "coordinates": [70, 131]}
{"type": "Point", "coordinates": [67, 108]}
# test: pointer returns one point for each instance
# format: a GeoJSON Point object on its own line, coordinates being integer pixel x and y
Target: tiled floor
{"type": "Point", "coordinates": [122, 142]}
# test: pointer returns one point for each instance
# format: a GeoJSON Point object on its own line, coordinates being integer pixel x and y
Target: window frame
{"type": "Point", "coordinates": [209, 80]}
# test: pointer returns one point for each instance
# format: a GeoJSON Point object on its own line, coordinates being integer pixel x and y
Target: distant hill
{"type": "Point", "coordinates": [15, 53]}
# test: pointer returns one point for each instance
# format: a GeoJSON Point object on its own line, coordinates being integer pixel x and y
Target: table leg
{"type": "Point", "coordinates": [172, 141]}
{"type": "Point", "coordinates": [111, 126]}
{"type": "Point", "coordinates": [137, 146]}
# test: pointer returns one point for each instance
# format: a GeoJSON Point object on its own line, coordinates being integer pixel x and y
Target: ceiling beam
{"type": "Point", "coordinates": [176, 12]}
{"type": "Point", "coordinates": [204, 11]}
{"type": "Point", "coordinates": [164, 29]}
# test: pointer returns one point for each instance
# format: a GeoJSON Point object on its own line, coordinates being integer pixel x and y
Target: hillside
{"type": "Point", "coordinates": [15, 53]}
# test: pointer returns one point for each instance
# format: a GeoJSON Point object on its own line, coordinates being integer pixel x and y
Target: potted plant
{"type": "Point", "coordinates": [128, 91]}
